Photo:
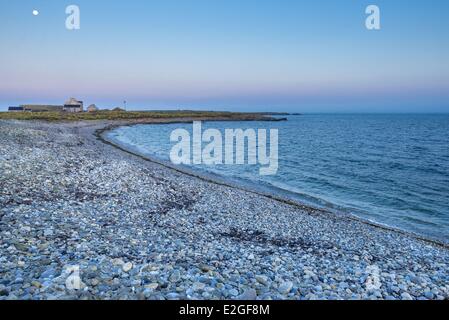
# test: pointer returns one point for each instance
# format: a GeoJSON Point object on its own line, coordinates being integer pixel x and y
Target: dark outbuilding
{"type": "Point", "coordinates": [15, 109]}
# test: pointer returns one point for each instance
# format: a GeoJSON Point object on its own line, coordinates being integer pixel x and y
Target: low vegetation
{"type": "Point", "coordinates": [128, 115]}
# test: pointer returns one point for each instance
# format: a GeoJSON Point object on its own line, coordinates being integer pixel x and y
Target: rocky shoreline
{"type": "Point", "coordinates": [135, 229]}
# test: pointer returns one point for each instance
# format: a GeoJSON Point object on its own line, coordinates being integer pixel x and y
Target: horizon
{"type": "Point", "coordinates": [262, 56]}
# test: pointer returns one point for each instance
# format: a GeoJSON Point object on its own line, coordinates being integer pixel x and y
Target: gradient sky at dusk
{"type": "Point", "coordinates": [249, 55]}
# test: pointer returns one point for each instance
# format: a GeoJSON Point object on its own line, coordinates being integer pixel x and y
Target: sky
{"type": "Point", "coordinates": [251, 55]}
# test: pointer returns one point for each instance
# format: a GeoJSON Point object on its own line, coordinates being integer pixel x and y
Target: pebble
{"type": "Point", "coordinates": [249, 294]}
{"type": "Point", "coordinates": [49, 273]}
{"type": "Point", "coordinates": [118, 262]}
{"type": "Point", "coordinates": [206, 268]}
{"type": "Point", "coordinates": [429, 295]}
{"type": "Point", "coordinates": [262, 279]}
{"type": "Point", "coordinates": [285, 287]}
{"type": "Point", "coordinates": [152, 286]}
{"type": "Point", "coordinates": [406, 296]}
{"type": "Point", "coordinates": [233, 292]}
{"type": "Point", "coordinates": [175, 276]}
{"type": "Point", "coordinates": [198, 286]}
{"type": "Point", "coordinates": [127, 266]}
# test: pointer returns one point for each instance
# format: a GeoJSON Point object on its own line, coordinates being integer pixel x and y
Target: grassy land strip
{"type": "Point", "coordinates": [125, 115]}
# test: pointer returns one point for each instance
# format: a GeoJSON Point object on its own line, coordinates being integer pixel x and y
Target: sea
{"type": "Point", "coordinates": [391, 169]}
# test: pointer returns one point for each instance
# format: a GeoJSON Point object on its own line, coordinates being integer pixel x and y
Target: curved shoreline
{"type": "Point", "coordinates": [138, 229]}
{"type": "Point", "coordinates": [216, 179]}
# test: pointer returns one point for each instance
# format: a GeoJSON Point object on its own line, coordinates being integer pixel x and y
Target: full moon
{"type": "Point", "coordinates": [35, 12]}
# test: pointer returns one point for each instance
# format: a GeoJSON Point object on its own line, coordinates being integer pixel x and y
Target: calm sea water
{"type": "Point", "coordinates": [391, 169]}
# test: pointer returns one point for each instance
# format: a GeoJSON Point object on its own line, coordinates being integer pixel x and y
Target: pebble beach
{"type": "Point", "coordinates": [136, 229]}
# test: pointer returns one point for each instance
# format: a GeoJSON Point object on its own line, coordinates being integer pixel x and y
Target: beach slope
{"type": "Point", "coordinates": [72, 205]}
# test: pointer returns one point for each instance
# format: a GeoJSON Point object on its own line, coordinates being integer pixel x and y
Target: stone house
{"type": "Point", "coordinates": [73, 105]}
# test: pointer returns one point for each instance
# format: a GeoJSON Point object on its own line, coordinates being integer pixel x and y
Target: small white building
{"type": "Point", "coordinates": [73, 105]}
{"type": "Point", "coordinates": [92, 108]}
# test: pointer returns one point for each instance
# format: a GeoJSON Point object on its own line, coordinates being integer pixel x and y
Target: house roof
{"type": "Point", "coordinates": [73, 101]}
